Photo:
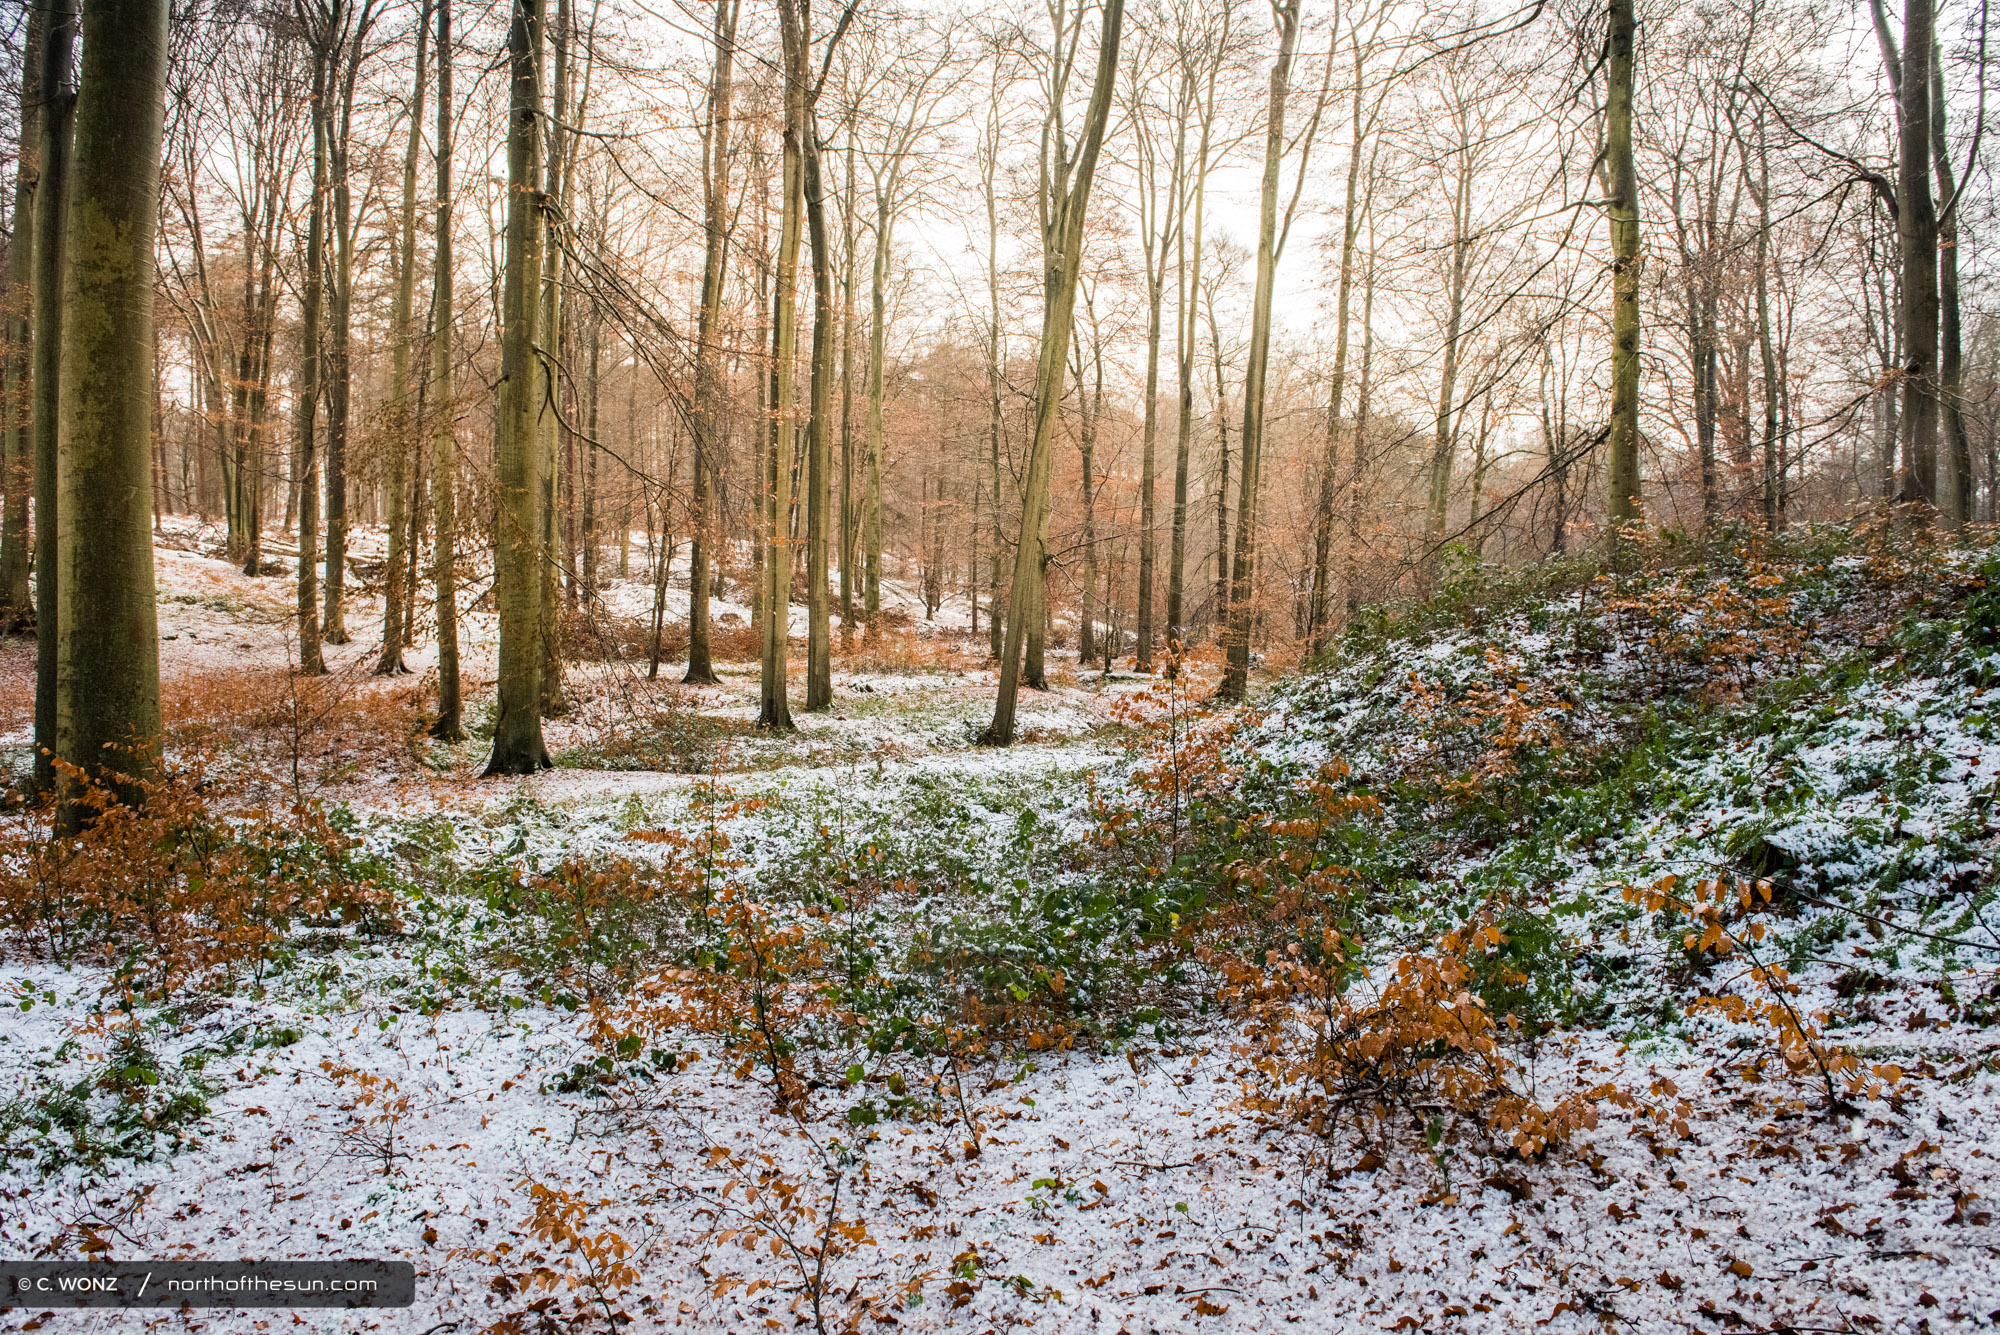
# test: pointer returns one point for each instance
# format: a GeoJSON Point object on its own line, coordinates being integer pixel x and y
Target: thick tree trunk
{"type": "Point", "coordinates": [108, 683]}
{"type": "Point", "coordinates": [517, 533]}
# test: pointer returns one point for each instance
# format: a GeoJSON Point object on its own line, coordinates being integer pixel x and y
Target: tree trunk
{"type": "Point", "coordinates": [548, 354]}
{"type": "Point", "coordinates": [17, 467]}
{"type": "Point", "coordinates": [593, 387]}
{"type": "Point", "coordinates": [444, 450]}
{"type": "Point", "coordinates": [1951, 353]}
{"type": "Point", "coordinates": [775, 711]}
{"type": "Point", "coordinates": [1221, 597]}
{"type": "Point", "coordinates": [517, 534]}
{"type": "Point", "coordinates": [311, 661]}
{"type": "Point", "coordinates": [819, 427]}
{"type": "Point", "coordinates": [1063, 260]}
{"type": "Point", "coordinates": [1918, 233]}
{"type": "Point", "coordinates": [1086, 447]}
{"type": "Point", "coordinates": [1625, 508]}
{"type": "Point", "coordinates": [1242, 614]}
{"type": "Point", "coordinates": [339, 354]}
{"type": "Point", "coordinates": [1761, 196]}
{"type": "Point", "coordinates": [1322, 592]}
{"type": "Point", "coordinates": [50, 250]}
{"type": "Point", "coordinates": [108, 675]}
{"type": "Point", "coordinates": [404, 426]}
{"type": "Point", "coordinates": [995, 373]}
{"type": "Point", "coordinates": [871, 466]}
{"type": "Point", "coordinates": [708, 388]}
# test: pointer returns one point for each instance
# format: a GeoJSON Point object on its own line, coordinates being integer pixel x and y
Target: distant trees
{"type": "Point", "coordinates": [1454, 373]}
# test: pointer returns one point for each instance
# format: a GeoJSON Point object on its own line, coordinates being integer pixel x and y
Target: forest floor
{"type": "Point", "coordinates": [867, 1026]}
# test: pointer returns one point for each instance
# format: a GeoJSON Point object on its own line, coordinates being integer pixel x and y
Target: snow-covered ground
{"type": "Point", "coordinates": [373, 1101]}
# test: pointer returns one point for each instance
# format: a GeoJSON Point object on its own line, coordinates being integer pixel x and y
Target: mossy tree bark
{"type": "Point", "coordinates": [108, 682]}
{"type": "Point", "coordinates": [517, 535]}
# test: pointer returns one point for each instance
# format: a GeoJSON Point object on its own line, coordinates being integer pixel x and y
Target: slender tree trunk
{"type": "Point", "coordinates": [52, 192]}
{"type": "Point", "coordinates": [517, 535]}
{"type": "Point", "coordinates": [1186, 316]}
{"type": "Point", "coordinates": [1625, 507]}
{"type": "Point", "coordinates": [17, 458]}
{"type": "Point", "coordinates": [1242, 613]}
{"type": "Point", "coordinates": [1221, 598]}
{"type": "Point", "coordinates": [1444, 439]}
{"type": "Point", "coordinates": [819, 428]}
{"type": "Point", "coordinates": [708, 354]}
{"type": "Point", "coordinates": [995, 619]}
{"type": "Point", "coordinates": [776, 711]}
{"type": "Point", "coordinates": [1086, 446]}
{"type": "Point", "coordinates": [1918, 233]}
{"type": "Point", "coordinates": [1761, 196]}
{"type": "Point", "coordinates": [108, 673]}
{"type": "Point", "coordinates": [405, 428]}
{"type": "Point", "coordinates": [311, 661]}
{"type": "Point", "coordinates": [1357, 484]}
{"type": "Point", "coordinates": [339, 353]}
{"type": "Point", "coordinates": [850, 527]}
{"type": "Point", "coordinates": [871, 501]}
{"type": "Point", "coordinates": [1322, 592]}
{"type": "Point", "coordinates": [548, 354]}
{"type": "Point", "coordinates": [1063, 261]}
{"type": "Point", "coordinates": [593, 388]}
{"type": "Point", "coordinates": [1951, 354]}
{"type": "Point", "coordinates": [444, 450]}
